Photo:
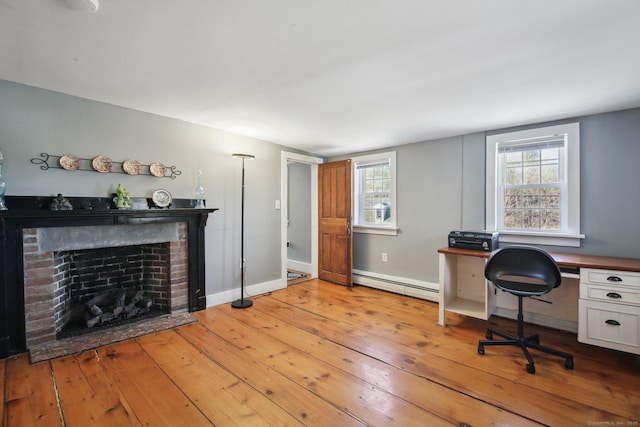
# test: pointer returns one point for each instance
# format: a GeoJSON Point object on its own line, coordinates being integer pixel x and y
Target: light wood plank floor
{"type": "Point", "coordinates": [320, 354]}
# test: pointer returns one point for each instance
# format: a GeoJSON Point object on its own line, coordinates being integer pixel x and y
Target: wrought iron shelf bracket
{"type": "Point", "coordinates": [51, 161]}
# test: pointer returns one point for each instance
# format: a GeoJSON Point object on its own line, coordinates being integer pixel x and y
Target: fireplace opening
{"type": "Point", "coordinates": [107, 287]}
{"type": "Point", "coordinates": [137, 276]}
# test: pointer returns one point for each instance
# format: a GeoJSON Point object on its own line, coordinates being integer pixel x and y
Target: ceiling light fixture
{"type": "Point", "coordinates": [84, 5]}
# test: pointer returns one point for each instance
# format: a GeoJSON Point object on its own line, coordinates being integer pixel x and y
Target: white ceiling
{"type": "Point", "coordinates": [333, 76]}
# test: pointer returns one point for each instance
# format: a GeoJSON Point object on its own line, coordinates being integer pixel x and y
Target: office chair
{"type": "Point", "coordinates": [523, 271]}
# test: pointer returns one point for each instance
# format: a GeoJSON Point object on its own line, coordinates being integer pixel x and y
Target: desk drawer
{"type": "Point", "coordinates": [609, 325]}
{"type": "Point", "coordinates": [611, 277]}
{"type": "Point", "coordinates": [614, 294]}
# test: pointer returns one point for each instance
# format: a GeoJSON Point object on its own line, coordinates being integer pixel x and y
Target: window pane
{"type": "Point", "coordinates": [528, 203]}
{"type": "Point", "coordinates": [531, 156]}
{"type": "Point", "coordinates": [551, 194]}
{"type": "Point", "coordinates": [532, 174]}
{"type": "Point", "coordinates": [514, 176]}
{"type": "Point", "coordinates": [530, 219]}
{"type": "Point", "coordinates": [550, 219]}
{"type": "Point", "coordinates": [549, 174]}
{"type": "Point", "coordinates": [532, 207]}
{"type": "Point", "coordinates": [513, 157]}
{"type": "Point", "coordinates": [375, 206]}
{"type": "Point", "coordinates": [530, 198]}
{"type": "Point", "coordinates": [512, 218]}
{"type": "Point", "coordinates": [550, 154]}
{"type": "Point", "coordinates": [511, 198]}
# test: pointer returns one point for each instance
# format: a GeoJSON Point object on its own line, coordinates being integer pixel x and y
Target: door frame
{"type": "Point", "coordinates": [286, 157]}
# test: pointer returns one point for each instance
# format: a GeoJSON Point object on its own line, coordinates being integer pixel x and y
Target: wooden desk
{"type": "Point", "coordinates": [464, 290]}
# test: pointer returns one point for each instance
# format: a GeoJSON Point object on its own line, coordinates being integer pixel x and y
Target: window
{"type": "Point", "coordinates": [533, 185]}
{"type": "Point", "coordinates": [374, 189]}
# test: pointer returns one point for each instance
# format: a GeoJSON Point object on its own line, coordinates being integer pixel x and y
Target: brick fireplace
{"type": "Point", "coordinates": [60, 274]}
{"type": "Point", "coordinates": [54, 261]}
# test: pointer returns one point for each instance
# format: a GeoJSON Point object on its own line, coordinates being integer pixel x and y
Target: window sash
{"type": "Point", "coordinates": [374, 193]}
{"type": "Point", "coordinates": [538, 213]}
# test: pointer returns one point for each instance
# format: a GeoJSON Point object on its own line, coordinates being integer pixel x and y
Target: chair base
{"type": "Point", "coordinates": [524, 343]}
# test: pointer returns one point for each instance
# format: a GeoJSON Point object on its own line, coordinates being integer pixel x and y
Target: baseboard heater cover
{"type": "Point", "coordinates": [399, 285]}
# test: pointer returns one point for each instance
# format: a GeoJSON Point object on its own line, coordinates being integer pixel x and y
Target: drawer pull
{"type": "Point", "coordinates": [614, 279]}
{"type": "Point", "coordinates": [612, 322]}
{"type": "Point", "coordinates": [614, 295]}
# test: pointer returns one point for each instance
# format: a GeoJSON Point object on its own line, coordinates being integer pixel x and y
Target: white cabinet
{"type": "Point", "coordinates": [463, 287]}
{"type": "Point", "coordinates": [609, 309]}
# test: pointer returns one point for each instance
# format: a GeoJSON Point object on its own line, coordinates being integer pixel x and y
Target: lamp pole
{"type": "Point", "coordinates": [242, 302]}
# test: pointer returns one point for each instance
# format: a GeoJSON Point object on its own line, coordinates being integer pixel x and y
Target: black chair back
{"type": "Point", "coordinates": [523, 270]}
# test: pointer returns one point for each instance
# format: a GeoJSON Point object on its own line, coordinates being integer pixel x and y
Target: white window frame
{"type": "Point", "coordinates": [386, 229]}
{"type": "Point", "coordinates": [570, 235]}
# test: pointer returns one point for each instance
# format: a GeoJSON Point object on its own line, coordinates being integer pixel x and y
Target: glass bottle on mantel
{"type": "Point", "coordinates": [3, 185]}
{"type": "Point", "coordinates": [199, 192]}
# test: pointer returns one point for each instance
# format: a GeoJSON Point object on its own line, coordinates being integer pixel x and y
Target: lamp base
{"type": "Point", "coordinates": [242, 303]}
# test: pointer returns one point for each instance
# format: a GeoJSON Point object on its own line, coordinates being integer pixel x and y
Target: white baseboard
{"type": "Point", "coordinates": [304, 267]}
{"type": "Point", "coordinates": [398, 285]}
{"type": "Point", "coordinates": [249, 291]}
{"type": "Point", "coordinates": [539, 319]}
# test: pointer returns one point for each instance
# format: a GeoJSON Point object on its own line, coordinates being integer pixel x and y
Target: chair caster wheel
{"type": "Point", "coordinates": [480, 349]}
{"type": "Point", "coordinates": [489, 335]}
{"type": "Point", "coordinates": [531, 368]}
{"type": "Point", "coordinates": [568, 363]}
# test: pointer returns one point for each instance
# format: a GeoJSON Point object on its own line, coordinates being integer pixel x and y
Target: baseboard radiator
{"type": "Point", "coordinates": [399, 285]}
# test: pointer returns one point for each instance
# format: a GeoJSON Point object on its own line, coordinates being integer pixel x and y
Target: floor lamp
{"type": "Point", "coordinates": [242, 302]}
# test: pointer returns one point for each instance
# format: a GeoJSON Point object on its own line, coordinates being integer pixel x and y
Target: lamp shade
{"type": "Point", "coordinates": [243, 156]}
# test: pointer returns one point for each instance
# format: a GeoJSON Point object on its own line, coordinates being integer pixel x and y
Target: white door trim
{"type": "Point", "coordinates": [284, 214]}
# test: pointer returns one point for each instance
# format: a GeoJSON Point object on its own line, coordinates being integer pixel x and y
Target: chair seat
{"type": "Point", "coordinates": [521, 289]}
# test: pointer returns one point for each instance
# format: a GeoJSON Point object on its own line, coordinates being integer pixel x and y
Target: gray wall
{"type": "Point", "coordinates": [299, 230]}
{"type": "Point", "coordinates": [440, 182]}
{"type": "Point", "coordinates": [33, 121]}
{"type": "Point", "coordinates": [437, 191]}
{"type": "Point", "coordinates": [441, 187]}
{"type": "Point", "coordinates": [609, 183]}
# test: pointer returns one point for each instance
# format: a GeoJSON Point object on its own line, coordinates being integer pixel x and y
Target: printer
{"type": "Point", "coordinates": [474, 240]}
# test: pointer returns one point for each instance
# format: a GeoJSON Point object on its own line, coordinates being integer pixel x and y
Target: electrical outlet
{"type": "Point", "coordinates": [384, 257]}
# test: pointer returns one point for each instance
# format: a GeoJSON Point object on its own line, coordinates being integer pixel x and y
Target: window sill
{"type": "Point", "coordinates": [386, 231]}
{"type": "Point", "coordinates": [551, 239]}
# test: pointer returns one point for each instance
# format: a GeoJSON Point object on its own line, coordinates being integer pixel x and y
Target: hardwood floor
{"type": "Point", "coordinates": [320, 354]}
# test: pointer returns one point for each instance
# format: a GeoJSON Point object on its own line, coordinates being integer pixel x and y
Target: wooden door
{"type": "Point", "coordinates": [334, 217]}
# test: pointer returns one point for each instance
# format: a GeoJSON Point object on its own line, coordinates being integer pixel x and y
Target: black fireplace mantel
{"type": "Point", "coordinates": [33, 212]}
